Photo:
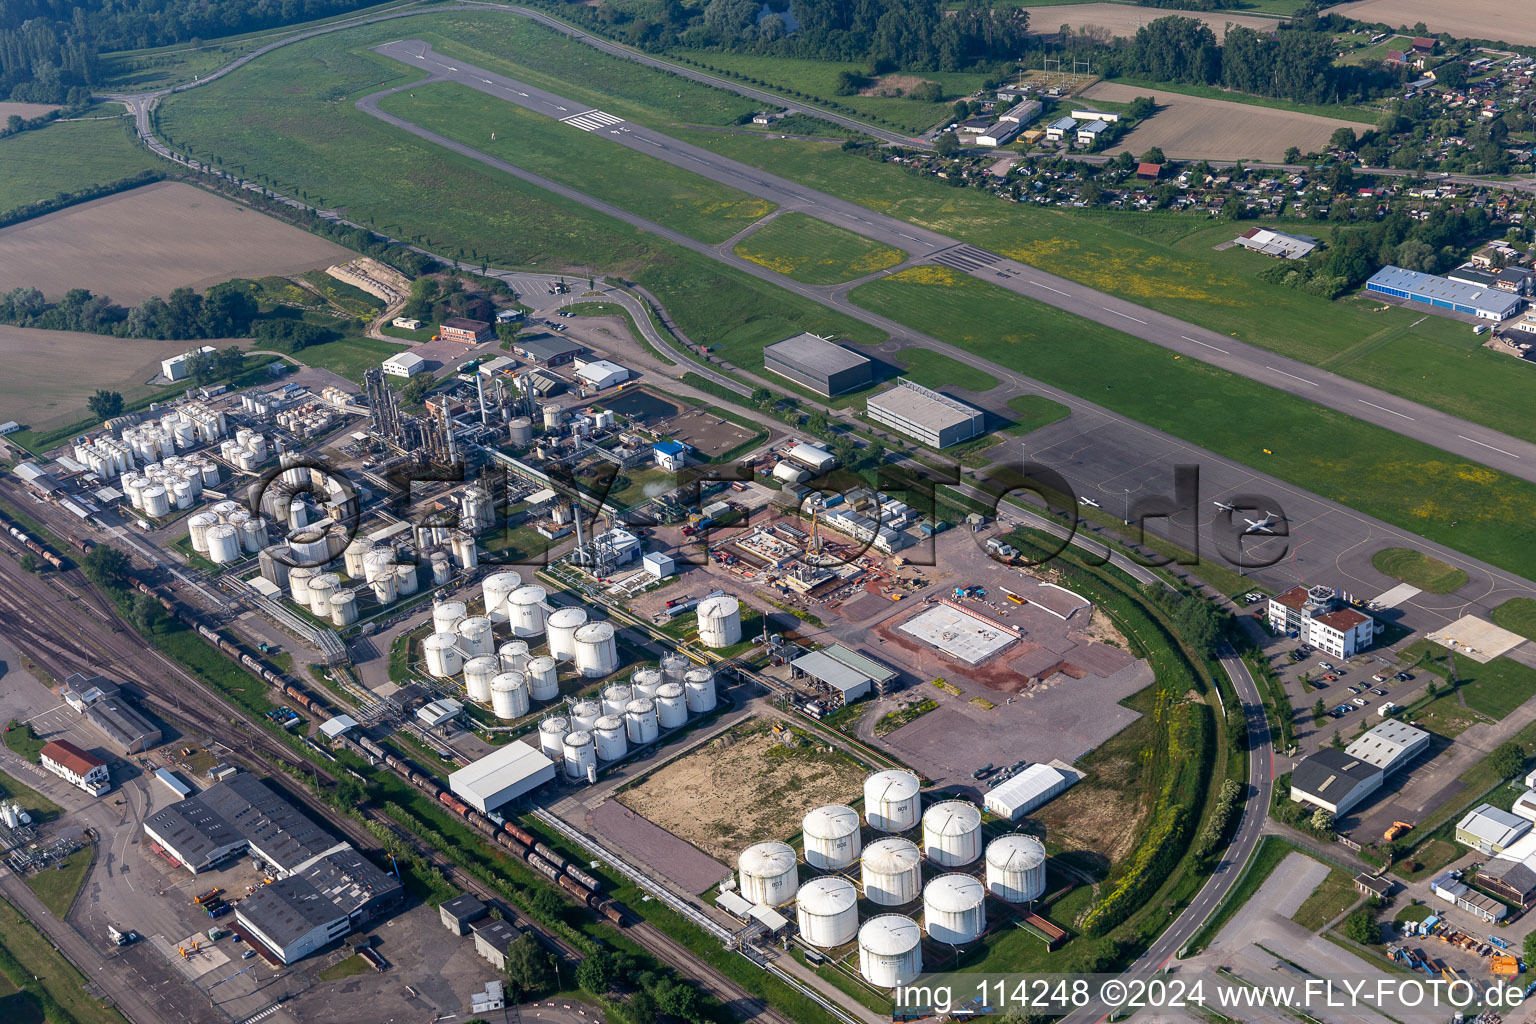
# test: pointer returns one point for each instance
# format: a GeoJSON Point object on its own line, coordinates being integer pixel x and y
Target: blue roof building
{"type": "Point", "coordinates": [671, 455]}
{"type": "Point", "coordinates": [1485, 303]}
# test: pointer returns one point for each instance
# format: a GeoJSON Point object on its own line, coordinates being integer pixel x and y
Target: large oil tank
{"type": "Point", "coordinates": [552, 733]}
{"type": "Point", "coordinates": [514, 655]}
{"type": "Point", "coordinates": [442, 654]}
{"type": "Point", "coordinates": [520, 430]}
{"type": "Point", "coordinates": [442, 568]}
{"type": "Point", "coordinates": [563, 624]}
{"type": "Point", "coordinates": [674, 666]}
{"type": "Point", "coordinates": [597, 654]}
{"type": "Point", "coordinates": [156, 501]}
{"type": "Point", "coordinates": [352, 558]}
{"type": "Point", "coordinates": [891, 871]}
{"type": "Point", "coordinates": [223, 544]}
{"type": "Point", "coordinates": [640, 721]}
{"type": "Point", "coordinates": [827, 911]}
{"type": "Point", "coordinates": [476, 637]}
{"type": "Point", "coordinates": [478, 673]}
{"type": "Point", "coordinates": [386, 587]}
{"type": "Point", "coordinates": [831, 837]}
{"type": "Point", "coordinates": [579, 754]}
{"type": "Point", "coordinates": [198, 526]}
{"type": "Point", "coordinates": [405, 580]}
{"type": "Point", "coordinates": [952, 833]}
{"type": "Point", "coordinates": [253, 534]}
{"type": "Point", "coordinates": [543, 682]}
{"type": "Point", "coordinates": [616, 698]}
{"type": "Point", "coordinates": [585, 713]}
{"type": "Point", "coordinates": [320, 590]}
{"type": "Point", "coordinates": [891, 800]}
{"type": "Point", "coordinates": [298, 583]}
{"type": "Point", "coordinates": [1016, 868]}
{"type": "Point", "coordinates": [671, 708]}
{"type": "Point", "coordinates": [699, 690]}
{"type": "Point", "coordinates": [890, 950]}
{"type": "Point", "coordinates": [720, 621]}
{"type": "Point", "coordinates": [343, 606]}
{"type": "Point", "coordinates": [465, 554]}
{"type": "Point", "coordinates": [274, 562]}
{"type": "Point", "coordinates": [509, 696]}
{"type": "Point", "coordinates": [552, 416]}
{"type": "Point", "coordinates": [646, 681]}
{"type": "Point", "coordinates": [612, 737]}
{"type": "Point", "coordinates": [446, 616]}
{"type": "Point", "coordinates": [377, 564]}
{"type": "Point", "coordinates": [525, 607]}
{"type": "Point", "coordinates": [955, 909]}
{"type": "Point", "coordinates": [495, 588]}
{"type": "Point", "coordinates": [768, 874]}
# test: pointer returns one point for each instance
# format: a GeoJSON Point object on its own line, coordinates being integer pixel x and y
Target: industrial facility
{"type": "Point", "coordinates": [818, 364]}
{"type": "Point", "coordinates": [927, 416]}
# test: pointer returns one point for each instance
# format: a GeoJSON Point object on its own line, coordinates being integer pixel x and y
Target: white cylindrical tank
{"type": "Point", "coordinates": [720, 621]}
{"type": "Point", "coordinates": [616, 697]}
{"type": "Point", "coordinates": [476, 636]}
{"type": "Point", "coordinates": [562, 626]}
{"type": "Point", "coordinates": [377, 565]}
{"type": "Point", "coordinates": [156, 501]}
{"type": "Point", "coordinates": [831, 837]}
{"type": "Point", "coordinates": [646, 681]}
{"type": "Point", "coordinates": [465, 555]}
{"type": "Point", "coordinates": [495, 588]}
{"type": "Point", "coordinates": [198, 526]}
{"type": "Point", "coordinates": [580, 754]}
{"type": "Point", "coordinates": [552, 416]}
{"type": "Point", "coordinates": [585, 713]}
{"type": "Point", "coordinates": [768, 874]}
{"type": "Point", "coordinates": [386, 588]}
{"type": "Point", "coordinates": [671, 708]}
{"type": "Point", "coordinates": [543, 682]}
{"type": "Point", "coordinates": [298, 583]}
{"type": "Point", "coordinates": [442, 654]}
{"type": "Point", "coordinates": [552, 733]}
{"type": "Point", "coordinates": [442, 569]}
{"type": "Point", "coordinates": [253, 534]}
{"type": "Point", "coordinates": [891, 800]}
{"type": "Point", "coordinates": [955, 909]}
{"type": "Point", "coordinates": [891, 871]}
{"type": "Point", "coordinates": [699, 689]}
{"type": "Point", "coordinates": [611, 736]}
{"type": "Point", "coordinates": [827, 911]}
{"type": "Point", "coordinates": [479, 670]}
{"type": "Point", "coordinates": [446, 616]}
{"type": "Point", "coordinates": [952, 833]}
{"type": "Point", "coordinates": [320, 590]}
{"type": "Point", "coordinates": [514, 655]}
{"type": "Point", "coordinates": [353, 557]}
{"type": "Point", "coordinates": [597, 654]}
{"type": "Point", "coordinates": [640, 720]}
{"type": "Point", "coordinates": [674, 667]}
{"type": "Point", "coordinates": [405, 580]}
{"type": "Point", "coordinates": [1016, 868]}
{"type": "Point", "coordinates": [274, 561]}
{"type": "Point", "coordinates": [509, 696]}
{"type": "Point", "coordinates": [343, 607]}
{"type": "Point", "coordinates": [525, 608]}
{"type": "Point", "coordinates": [520, 430]}
{"type": "Point", "coordinates": [223, 544]}
{"type": "Point", "coordinates": [890, 950]}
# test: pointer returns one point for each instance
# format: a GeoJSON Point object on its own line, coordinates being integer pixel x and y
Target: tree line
{"type": "Point", "coordinates": [1354, 254]}
{"type": "Point", "coordinates": [225, 310]}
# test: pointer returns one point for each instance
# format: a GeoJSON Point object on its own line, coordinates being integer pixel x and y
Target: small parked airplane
{"type": "Point", "coordinates": [1225, 506]}
{"type": "Point", "coordinates": [1088, 501]}
{"type": "Point", "coordinates": [1263, 525]}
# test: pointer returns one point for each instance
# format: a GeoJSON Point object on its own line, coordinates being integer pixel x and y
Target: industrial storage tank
{"type": "Point", "coordinates": [514, 655]}
{"type": "Point", "coordinates": [520, 430]}
{"type": "Point", "coordinates": [465, 555]}
{"type": "Point", "coordinates": [699, 690]}
{"type": "Point", "coordinates": [831, 837]}
{"type": "Point", "coordinates": [597, 654]}
{"type": "Point", "coordinates": [827, 911]}
{"type": "Point", "coordinates": [891, 800]}
{"type": "Point", "coordinates": [320, 590]}
{"type": "Point", "coordinates": [640, 720]}
{"type": "Point", "coordinates": [890, 950]}
{"type": "Point", "coordinates": [509, 696]}
{"type": "Point", "coordinates": [616, 698]}
{"type": "Point", "coordinates": [478, 673]}
{"type": "Point", "coordinates": [552, 415]}
{"type": "Point", "coordinates": [674, 667]}
{"type": "Point", "coordinates": [352, 558]}
{"type": "Point", "coordinates": [476, 636]}
{"type": "Point", "coordinates": [891, 871]}
{"type": "Point", "coordinates": [552, 733]}
{"type": "Point", "coordinates": [563, 624]}
{"type": "Point", "coordinates": [543, 683]}
{"type": "Point", "coordinates": [253, 534]}
{"type": "Point", "coordinates": [446, 616]}
{"type": "Point", "coordinates": [671, 708]}
{"type": "Point", "coordinates": [377, 564]}
{"type": "Point", "coordinates": [585, 713]}
{"type": "Point", "coordinates": [952, 833]}
{"type": "Point", "coordinates": [298, 583]}
{"type": "Point", "coordinates": [223, 544]}
{"type": "Point", "coordinates": [768, 874]}
{"type": "Point", "coordinates": [495, 588]}
{"type": "Point", "coordinates": [405, 580]}
{"type": "Point", "coordinates": [646, 681]}
{"type": "Point", "coordinates": [720, 621]}
{"type": "Point", "coordinates": [442, 654]}
{"type": "Point", "coordinates": [386, 587]}
{"type": "Point", "coordinates": [1016, 868]}
{"type": "Point", "coordinates": [156, 501]}
{"type": "Point", "coordinates": [579, 753]}
{"type": "Point", "coordinates": [442, 569]}
{"type": "Point", "coordinates": [273, 561]}
{"type": "Point", "coordinates": [955, 909]}
{"type": "Point", "coordinates": [198, 527]}
{"type": "Point", "coordinates": [343, 607]}
{"type": "Point", "coordinates": [525, 608]}
{"type": "Point", "coordinates": [611, 736]}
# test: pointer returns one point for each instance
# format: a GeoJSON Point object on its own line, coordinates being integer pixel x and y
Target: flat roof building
{"type": "Point", "coordinates": [547, 350]}
{"type": "Point", "coordinates": [492, 940]}
{"type": "Point", "coordinates": [1390, 746]}
{"type": "Point", "coordinates": [999, 134]}
{"type": "Point", "coordinates": [1033, 787]}
{"type": "Point", "coordinates": [818, 364]}
{"type": "Point", "coordinates": [846, 673]}
{"type": "Point", "coordinates": [1490, 830]}
{"type": "Point", "coordinates": [457, 913]}
{"type": "Point", "coordinates": [235, 816]}
{"type": "Point", "coordinates": [466, 331]}
{"type": "Point", "coordinates": [129, 731]}
{"type": "Point", "coordinates": [1322, 618]}
{"type": "Point", "coordinates": [298, 915]}
{"type": "Point", "coordinates": [76, 766]}
{"type": "Point", "coordinates": [500, 777]}
{"type": "Point", "coordinates": [601, 373]}
{"type": "Point", "coordinates": [404, 364]}
{"type": "Point", "coordinates": [1334, 781]}
{"type": "Point", "coordinates": [933, 419]}
{"type": "Point", "coordinates": [1485, 303]}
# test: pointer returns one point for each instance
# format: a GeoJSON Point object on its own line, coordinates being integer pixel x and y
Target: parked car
{"type": "Point", "coordinates": [1378, 691]}
{"type": "Point", "coordinates": [1359, 702]}
{"type": "Point", "coordinates": [1325, 666]}
{"type": "Point", "coordinates": [1379, 678]}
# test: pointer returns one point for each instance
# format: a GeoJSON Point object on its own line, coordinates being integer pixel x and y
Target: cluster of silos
{"type": "Point", "coordinates": [246, 450]}
{"type": "Point", "coordinates": [377, 568]}
{"type": "Point", "coordinates": [224, 531]}
{"type": "Point", "coordinates": [719, 621]}
{"type": "Point", "coordinates": [306, 420]}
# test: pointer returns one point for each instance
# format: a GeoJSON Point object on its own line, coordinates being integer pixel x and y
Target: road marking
{"type": "Point", "coordinates": [912, 237]}
{"type": "Point", "coordinates": [1290, 375]}
{"type": "Point", "coordinates": [1126, 315]}
{"type": "Point", "coordinates": [591, 120]}
{"type": "Point", "coordinates": [1040, 284]}
{"type": "Point", "coordinates": [1490, 447]}
{"type": "Point", "coordinates": [1207, 344]}
{"type": "Point", "coordinates": [1383, 408]}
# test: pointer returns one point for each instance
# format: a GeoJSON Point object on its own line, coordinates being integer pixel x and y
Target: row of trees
{"type": "Point", "coordinates": [225, 310]}
{"type": "Point", "coordinates": [1431, 245]}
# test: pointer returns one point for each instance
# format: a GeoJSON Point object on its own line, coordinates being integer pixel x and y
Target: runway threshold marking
{"type": "Point", "coordinates": [1291, 375]}
{"type": "Point", "coordinates": [1490, 447]}
{"type": "Point", "coordinates": [592, 120]}
{"type": "Point", "coordinates": [1383, 408]}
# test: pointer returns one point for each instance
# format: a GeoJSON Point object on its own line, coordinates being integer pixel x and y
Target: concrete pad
{"type": "Point", "coordinates": [1397, 595]}
{"type": "Point", "coordinates": [1282, 894]}
{"type": "Point", "coordinates": [1477, 638]}
{"type": "Point", "coordinates": [207, 957]}
{"type": "Point", "coordinates": [959, 635]}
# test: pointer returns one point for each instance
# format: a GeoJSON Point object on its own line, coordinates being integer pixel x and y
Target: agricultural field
{"type": "Point", "coordinates": [1419, 570]}
{"type": "Point", "coordinates": [67, 156]}
{"type": "Point", "coordinates": [25, 110]}
{"type": "Point", "coordinates": [1192, 400]}
{"type": "Point", "coordinates": [1497, 20]}
{"type": "Point", "coordinates": [743, 787]}
{"type": "Point", "coordinates": [1124, 19]}
{"type": "Point", "coordinates": [1198, 128]}
{"type": "Point", "coordinates": [812, 251]}
{"type": "Point", "coordinates": [151, 240]}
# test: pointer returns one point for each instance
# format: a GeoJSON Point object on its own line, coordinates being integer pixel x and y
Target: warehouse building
{"type": "Point", "coordinates": [1490, 830]}
{"type": "Point", "coordinates": [1450, 888]}
{"type": "Point", "coordinates": [818, 364]}
{"type": "Point", "coordinates": [844, 674]}
{"type": "Point", "coordinates": [76, 766]}
{"type": "Point", "coordinates": [502, 776]}
{"type": "Point", "coordinates": [933, 419]}
{"type": "Point", "coordinates": [1334, 781]}
{"type": "Point", "coordinates": [1278, 244]}
{"type": "Point", "coordinates": [466, 331]}
{"type": "Point", "coordinates": [302, 913]}
{"type": "Point", "coordinates": [129, 731]}
{"type": "Point", "coordinates": [999, 134]}
{"type": "Point", "coordinates": [598, 374]}
{"type": "Point", "coordinates": [236, 816]}
{"type": "Point", "coordinates": [1442, 293]}
{"type": "Point", "coordinates": [547, 350]}
{"type": "Point", "coordinates": [404, 364]}
{"type": "Point", "coordinates": [493, 938]}
{"type": "Point", "coordinates": [813, 457]}
{"type": "Point", "coordinates": [1032, 788]}
{"type": "Point", "coordinates": [1390, 746]}
{"type": "Point", "coordinates": [193, 834]}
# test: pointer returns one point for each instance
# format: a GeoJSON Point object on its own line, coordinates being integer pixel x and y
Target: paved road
{"type": "Point", "coordinates": [1431, 426]}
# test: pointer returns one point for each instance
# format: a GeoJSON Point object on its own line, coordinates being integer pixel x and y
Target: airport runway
{"type": "Point", "coordinates": [1431, 426]}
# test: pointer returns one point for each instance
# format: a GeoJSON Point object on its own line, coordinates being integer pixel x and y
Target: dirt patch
{"type": "Point", "coordinates": [26, 111]}
{"type": "Point", "coordinates": [1124, 20]}
{"type": "Point", "coordinates": [1101, 629]}
{"type": "Point", "coordinates": [152, 240]}
{"type": "Point", "coordinates": [1101, 814]}
{"type": "Point", "coordinates": [1469, 19]}
{"type": "Point", "coordinates": [892, 85]}
{"type": "Point", "coordinates": [743, 787]}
